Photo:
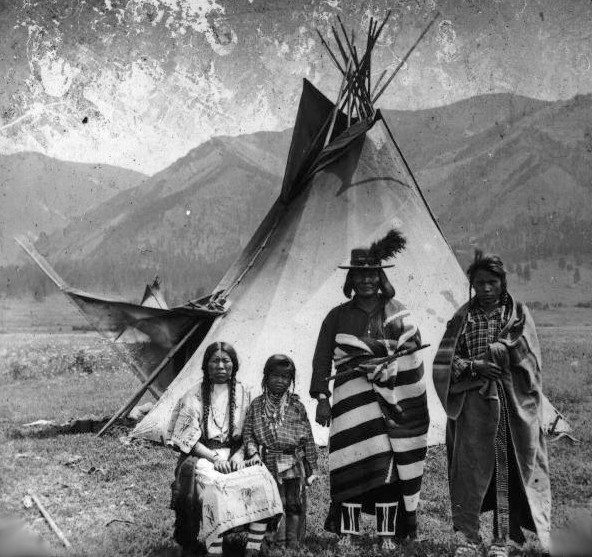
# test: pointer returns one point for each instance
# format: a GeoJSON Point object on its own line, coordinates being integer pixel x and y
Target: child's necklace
{"type": "Point", "coordinates": [274, 409]}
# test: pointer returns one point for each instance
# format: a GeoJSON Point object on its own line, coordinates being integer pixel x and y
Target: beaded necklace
{"type": "Point", "coordinates": [219, 425]}
{"type": "Point", "coordinates": [275, 408]}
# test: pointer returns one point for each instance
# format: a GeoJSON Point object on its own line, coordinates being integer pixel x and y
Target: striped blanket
{"type": "Point", "coordinates": [380, 416]}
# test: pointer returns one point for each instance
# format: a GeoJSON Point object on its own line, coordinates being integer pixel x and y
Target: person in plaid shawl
{"type": "Point", "coordinates": [277, 433]}
{"type": "Point", "coordinates": [487, 373]}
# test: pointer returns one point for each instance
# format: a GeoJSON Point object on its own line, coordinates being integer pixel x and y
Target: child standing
{"type": "Point", "coordinates": [277, 433]}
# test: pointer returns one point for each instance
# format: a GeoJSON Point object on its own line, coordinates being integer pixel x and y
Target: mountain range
{"type": "Point", "coordinates": [500, 171]}
{"type": "Point", "coordinates": [41, 194]}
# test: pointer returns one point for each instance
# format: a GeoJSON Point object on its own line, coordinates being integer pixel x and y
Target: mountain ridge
{"type": "Point", "coordinates": [508, 173]}
{"type": "Point", "coordinates": [41, 194]}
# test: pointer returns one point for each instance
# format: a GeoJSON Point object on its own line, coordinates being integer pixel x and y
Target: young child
{"type": "Point", "coordinates": [277, 433]}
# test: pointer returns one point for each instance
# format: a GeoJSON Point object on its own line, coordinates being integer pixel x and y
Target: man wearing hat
{"type": "Point", "coordinates": [379, 416]}
{"type": "Point", "coordinates": [487, 373]}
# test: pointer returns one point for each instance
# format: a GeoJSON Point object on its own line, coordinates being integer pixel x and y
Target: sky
{"type": "Point", "coordinates": [139, 83]}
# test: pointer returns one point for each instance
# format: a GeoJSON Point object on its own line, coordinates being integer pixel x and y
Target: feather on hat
{"type": "Point", "coordinates": [371, 258]}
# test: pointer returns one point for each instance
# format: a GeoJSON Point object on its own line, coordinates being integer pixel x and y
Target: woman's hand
{"type": "Point", "coordinates": [222, 466]}
{"type": "Point", "coordinates": [254, 460]}
{"type": "Point", "coordinates": [311, 479]}
{"type": "Point", "coordinates": [237, 462]}
{"type": "Point", "coordinates": [487, 369]}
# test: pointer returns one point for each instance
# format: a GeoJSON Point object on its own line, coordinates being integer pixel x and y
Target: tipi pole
{"type": "Point", "coordinates": [339, 45]}
{"type": "Point", "coordinates": [348, 42]}
{"type": "Point", "coordinates": [133, 400]}
{"type": "Point", "coordinates": [334, 117]}
{"type": "Point", "coordinates": [368, 46]}
{"type": "Point", "coordinates": [362, 66]}
{"type": "Point", "coordinates": [333, 57]}
{"type": "Point", "coordinates": [376, 33]}
{"type": "Point", "coordinates": [408, 168]}
{"type": "Point", "coordinates": [28, 246]}
{"type": "Point", "coordinates": [378, 82]}
{"type": "Point", "coordinates": [409, 52]}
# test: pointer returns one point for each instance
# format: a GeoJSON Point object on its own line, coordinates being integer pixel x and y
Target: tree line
{"type": "Point", "coordinates": [125, 277]}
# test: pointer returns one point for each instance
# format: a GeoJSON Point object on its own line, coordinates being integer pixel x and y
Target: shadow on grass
{"type": "Point", "coordinates": [234, 546]}
{"type": "Point", "coordinates": [365, 546]}
{"type": "Point", "coordinates": [46, 429]}
{"type": "Point", "coordinates": [167, 550]}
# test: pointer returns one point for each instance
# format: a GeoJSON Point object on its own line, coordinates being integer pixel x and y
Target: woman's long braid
{"type": "Point", "coordinates": [231, 406]}
{"type": "Point", "coordinates": [206, 397]}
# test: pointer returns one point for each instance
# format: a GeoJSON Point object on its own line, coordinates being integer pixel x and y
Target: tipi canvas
{"type": "Point", "coordinates": [346, 184]}
{"type": "Point", "coordinates": [287, 279]}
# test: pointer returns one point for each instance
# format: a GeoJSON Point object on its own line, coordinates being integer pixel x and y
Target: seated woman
{"type": "Point", "coordinates": [213, 492]}
{"type": "Point", "coordinates": [277, 432]}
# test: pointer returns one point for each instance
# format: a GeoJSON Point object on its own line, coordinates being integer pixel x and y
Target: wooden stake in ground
{"type": "Point", "coordinates": [49, 520]}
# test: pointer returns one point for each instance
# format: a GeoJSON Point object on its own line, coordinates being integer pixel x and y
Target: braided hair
{"type": "Point", "coordinates": [491, 263]}
{"type": "Point", "coordinates": [282, 362]}
{"type": "Point", "coordinates": [206, 385]}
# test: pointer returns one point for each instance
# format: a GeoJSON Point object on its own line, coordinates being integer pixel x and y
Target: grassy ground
{"type": "Point", "coordinates": [111, 498]}
{"type": "Point", "coordinates": [53, 313]}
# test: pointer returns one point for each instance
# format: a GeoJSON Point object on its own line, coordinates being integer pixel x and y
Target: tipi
{"type": "Point", "coordinates": [346, 184]}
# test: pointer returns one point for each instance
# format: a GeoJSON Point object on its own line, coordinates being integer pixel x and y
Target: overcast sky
{"type": "Point", "coordinates": [138, 83]}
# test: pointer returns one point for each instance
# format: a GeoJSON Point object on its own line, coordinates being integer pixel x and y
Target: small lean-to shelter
{"type": "Point", "coordinates": [346, 184]}
{"type": "Point", "coordinates": [154, 340]}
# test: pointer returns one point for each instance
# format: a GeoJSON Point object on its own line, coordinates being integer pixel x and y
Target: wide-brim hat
{"type": "Point", "coordinates": [362, 258]}
{"type": "Point", "coordinates": [379, 251]}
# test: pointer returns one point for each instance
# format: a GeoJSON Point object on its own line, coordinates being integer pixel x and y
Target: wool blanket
{"type": "Point", "coordinates": [380, 416]}
{"type": "Point", "coordinates": [482, 414]}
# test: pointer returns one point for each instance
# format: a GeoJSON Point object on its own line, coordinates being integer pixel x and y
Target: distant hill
{"type": "Point", "coordinates": [425, 135]}
{"type": "Point", "coordinates": [523, 188]}
{"type": "Point", "coordinates": [499, 171]}
{"type": "Point", "coordinates": [186, 223]}
{"type": "Point", "coordinates": [41, 194]}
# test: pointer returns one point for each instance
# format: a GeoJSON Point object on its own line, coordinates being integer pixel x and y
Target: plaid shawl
{"type": "Point", "coordinates": [284, 446]}
{"type": "Point", "coordinates": [379, 417]}
{"type": "Point", "coordinates": [519, 398]}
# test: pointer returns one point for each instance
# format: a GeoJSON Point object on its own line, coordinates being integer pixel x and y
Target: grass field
{"type": "Point", "coordinates": [111, 498]}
